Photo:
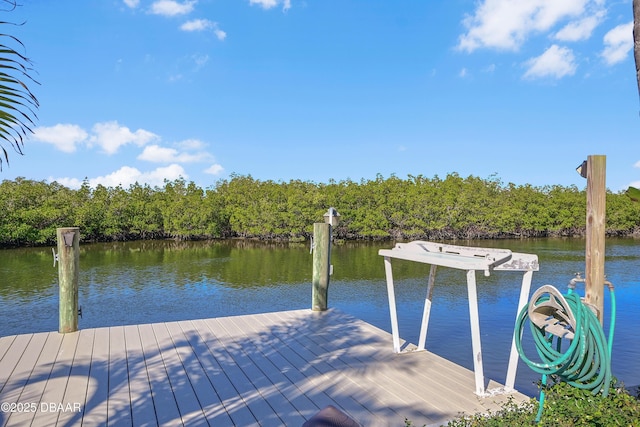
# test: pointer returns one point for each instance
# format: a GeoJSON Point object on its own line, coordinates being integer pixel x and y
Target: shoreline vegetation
{"type": "Point", "coordinates": [390, 208]}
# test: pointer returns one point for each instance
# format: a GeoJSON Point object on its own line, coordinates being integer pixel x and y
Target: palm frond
{"type": "Point", "coordinates": [18, 104]}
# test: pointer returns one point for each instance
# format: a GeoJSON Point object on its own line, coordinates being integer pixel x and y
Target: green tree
{"type": "Point", "coordinates": [145, 211]}
{"type": "Point", "coordinates": [183, 210]}
{"type": "Point", "coordinates": [17, 103]}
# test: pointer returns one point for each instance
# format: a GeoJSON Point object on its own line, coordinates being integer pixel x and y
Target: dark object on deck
{"type": "Point", "coordinates": [330, 416]}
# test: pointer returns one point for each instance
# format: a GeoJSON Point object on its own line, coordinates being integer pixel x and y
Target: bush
{"type": "Point", "coordinates": [565, 406]}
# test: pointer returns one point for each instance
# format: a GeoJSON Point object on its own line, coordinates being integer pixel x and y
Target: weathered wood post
{"type": "Point", "coordinates": [322, 260]}
{"type": "Point", "coordinates": [595, 232]}
{"type": "Point", "coordinates": [68, 272]}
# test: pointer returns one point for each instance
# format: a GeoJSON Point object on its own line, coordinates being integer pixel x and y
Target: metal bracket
{"type": "Point", "coordinates": [55, 257]}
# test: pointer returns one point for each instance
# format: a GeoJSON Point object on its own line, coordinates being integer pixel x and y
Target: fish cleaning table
{"type": "Point", "coordinates": [467, 258]}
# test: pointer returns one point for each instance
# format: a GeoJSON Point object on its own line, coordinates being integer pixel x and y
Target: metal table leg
{"type": "Point", "coordinates": [475, 332]}
{"type": "Point", "coordinates": [392, 305]}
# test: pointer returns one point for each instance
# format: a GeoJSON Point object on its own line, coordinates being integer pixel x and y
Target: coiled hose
{"type": "Point", "coordinates": [586, 363]}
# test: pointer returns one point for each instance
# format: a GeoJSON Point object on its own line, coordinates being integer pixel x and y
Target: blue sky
{"type": "Point", "coordinates": [147, 90]}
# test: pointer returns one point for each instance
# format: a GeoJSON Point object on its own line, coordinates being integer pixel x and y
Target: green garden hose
{"type": "Point", "coordinates": [586, 363]}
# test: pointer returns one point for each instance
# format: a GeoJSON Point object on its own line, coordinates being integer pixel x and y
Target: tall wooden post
{"type": "Point", "coordinates": [595, 238]}
{"type": "Point", "coordinates": [68, 272]}
{"type": "Point", "coordinates": [321, 265]}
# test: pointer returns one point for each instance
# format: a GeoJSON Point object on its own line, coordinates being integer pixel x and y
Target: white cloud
{"type": "Point", "coordinates": [637, 164]}
{"type": "Point", "coordinates": [171, 7]}
{"type": "Point", "coordinates": [197, 25]}
{"type": "Point", "coordinates": [126, 176]}
{"type": "Point", "coordinates": [155, 153]}
{"type": "Point", "coordinates": [555, 62]}
{"type": "Point", "coordinates": [67, 182]}
{"type": "Point", "coordinates": [110, 136]}
{"type": "Point", "coordinates": [204, 25]}
{"type": "Point", "coordinates": [132, 3]}
{"type": "Point", "coordinates": [463, 73]}
{"type": "Point", "coordinates": [191, 144]}
{"type": "Point", "coordinates": [265, 4]}
{"type": "Point", "coordinates": [269, 4]}
{"type": "Point", "coordinates": [618, 43]}
{"type": "Point", "coordinates": [65, 137]}
{"type": "Point", "coordinates": [580, 29]}
{"type": "Point", "coordinates": [221, 35]}
{"type": "Point", "coordinates": [506, 24]}
{"type": "Point", "coordinates": [214, 169]}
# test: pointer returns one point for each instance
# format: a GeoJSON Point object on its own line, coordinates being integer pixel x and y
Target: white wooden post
{"type": "Point", "coordinates": [392, 305]}
{"type": "Point", "coordinates": [427, 308]}
{"type": "Point", "coordinates": [475, 332]}
{"type": "Point", "coordinates": [513, 355]}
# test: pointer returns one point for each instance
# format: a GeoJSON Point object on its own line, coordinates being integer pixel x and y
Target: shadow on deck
{"type": "Point", "coordinates": [269, 369]}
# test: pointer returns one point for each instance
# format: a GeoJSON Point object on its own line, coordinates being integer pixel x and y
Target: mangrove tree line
{"type": "Point", "coordinates": [413, 208]}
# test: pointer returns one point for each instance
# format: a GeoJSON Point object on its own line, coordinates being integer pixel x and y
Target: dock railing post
{"type": "Point", "coordinates": [322, 268]}
{"type": "Point", "coordinates": [321, 265]}
{"type": "Point", "coordinates": [595, 232]}
{"type": "Point", "coordinates": [68, 271]}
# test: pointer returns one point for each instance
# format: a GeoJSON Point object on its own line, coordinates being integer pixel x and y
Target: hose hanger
{"type": "Point", "coordinates": [550, 311]}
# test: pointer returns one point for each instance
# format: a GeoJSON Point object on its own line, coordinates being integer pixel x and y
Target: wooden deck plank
{"type": "Point", "coordinates": [254, 370]}
{"type": "Point", "coordinates": [437, 369]}
{"type": "Point", "coordinates": [402, 374]}
{"type": "Point", "coordinates": [5, 344]}
{"type": "Point", "coordinates": [231, 362]}
{"type": "Point", "coordinates": [186, 399]}
{"type": "Point", "coordinates": [284, 413]}
{"type": "Point", "coordinates": [346, 361]}
{"type": "Point", "coordinates": [70, 413]}
{"type": "Point", "coordinates": [97, 398]}
{"type": "Point", "coordinates": [210, 403]}
{"type": "Point", "coordinates": [263, 359]}
{"type": "Point", "coordinates": [318, 375]}
{"type": "Point", "coordinates": [34, 387]}
{"type": "Point", "coordinates": [57, 383]}
{"type": "Point", "coordinates": [440, 373]}
{"type": "Point", "coordinates": [209, 353]}
{"type": "Point", "coordinates": [164, 401]}
{"type": "Point", "coordinates": [12, 357]}
{"type": "Point", "coordinates": [119, 406]}
{"type": "Point", "coordinates": [353, 399]}
{"type": "Point", "coordinates": [15, 385]}
{"type": "Point", "coordinates": [347, 379]}
{"type": "Point", "coordinates": [142, 410]}
{"type": "Point", "coordinates": [20, 373]}
{"type": "Point", "coordinates": [453, 388]}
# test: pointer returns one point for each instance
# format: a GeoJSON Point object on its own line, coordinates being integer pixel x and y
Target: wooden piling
{"type": "Point", "coordinates": [595, 232]}
{"type": "Point", "coordinates": [321, 265]}
{"type": "Point", "coordinates": [68, 272]}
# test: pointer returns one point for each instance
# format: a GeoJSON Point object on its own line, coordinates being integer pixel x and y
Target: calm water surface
{"type": "Point", "coordinates": [143, 282]}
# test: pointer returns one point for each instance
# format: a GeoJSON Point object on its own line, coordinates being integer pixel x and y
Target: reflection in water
{"type": "Point", "coordinates": [144, 282]}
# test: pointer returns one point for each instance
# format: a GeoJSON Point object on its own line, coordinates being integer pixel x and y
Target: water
{"type": "Point", "coordinates": [145, 282]}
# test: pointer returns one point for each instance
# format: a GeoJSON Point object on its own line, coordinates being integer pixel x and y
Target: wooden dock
{"type": "Point", "coordinates": [272, 369]}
